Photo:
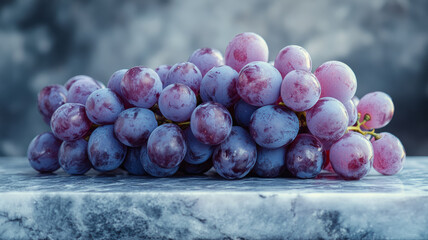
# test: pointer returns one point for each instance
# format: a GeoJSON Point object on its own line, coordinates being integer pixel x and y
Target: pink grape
{"type": "Point", "coordinates": [351, 109]}
{"type": "Point", "coordinates": [219, 85]}
{"type": "Point", "coordinates": [389, 154]}
{"type": "Point", "coordinates": [352, 156]}
{"type": "Point", "coordinates": [211, 123]}
{"type": "Point", "coordinates": [327, 120]}
{"type": "Point", "coordinates": [162, 72]}
{"type": "Point", "coordinates": [177, 102]}
{"type": "Point", "coordinates": [141, 87]}
{"type": "Point", "coordinates": [379, 106]}
{"type": "Point", "coordinates": [300, 90]}
{"type": "Point", "coordinates": [69, 122]}
{"type": "Point", "coordinates": [259, 84]}
{"type": "Point", "coordinates": [291, 58]}
{"type": "Point", "coordinates": [81, 89]}
{"type": "Point", "coordinates": [337, 80]}
{"type": "Point", "coordinates": [206, 58]}
{"type": "Point", "coordinates": [185, 73]}
{"type": "Point", "coordinates": [245, 48]}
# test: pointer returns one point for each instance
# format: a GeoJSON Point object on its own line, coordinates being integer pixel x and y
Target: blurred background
{"type": "Point", "coordinates": [46, 42]}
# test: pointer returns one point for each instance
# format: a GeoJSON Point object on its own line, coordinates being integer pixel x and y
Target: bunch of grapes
{"type": "Point", "coordinates": [238, 114]}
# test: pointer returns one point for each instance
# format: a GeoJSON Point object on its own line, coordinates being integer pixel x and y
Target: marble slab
{"type": "Point", "coordinates": [119, 206]}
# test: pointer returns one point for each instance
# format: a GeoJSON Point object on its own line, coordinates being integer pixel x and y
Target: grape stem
{"type": "Point", "coordinates": [358, 129]}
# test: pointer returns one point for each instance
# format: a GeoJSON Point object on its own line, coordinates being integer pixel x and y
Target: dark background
{"type": "Point", "coordinates": [46, 42]}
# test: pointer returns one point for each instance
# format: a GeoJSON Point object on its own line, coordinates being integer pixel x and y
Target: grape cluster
{"type": "Point", "coordinates": [238, 114]}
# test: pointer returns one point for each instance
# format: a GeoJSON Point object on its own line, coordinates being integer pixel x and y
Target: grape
{"type": "Point", "coordinates": [337, 80]}
{"type": "Point", "coordinates": [153, 169]}
{"type": "Point", "coordinates": [81, 89]}
{"type": "Point", "coordinates": [327, 120]}
{"type": "Point", "coordinates": [300, 90]}
{"type": "Point", "coordinates": [197, 152]}
{"type": "Point", "coordinates": [50, 98]}
{"type": "Point", "coordinates": [235, 157]}
{"type": "Point", "coordinates": [74, 79]}
{"type": "Point", "coordinates": [389, 154]}
{"type": "Point", "coordinates": [134, 125]}
{"type": "Point", "coordinates": [305, 156]}
{"type": "Point", "coordinates": [105, 152]}
{"type": "Point", "coordinates": [355, 100]}
{"type": "Point", "coordinates": [327, 165]}
{"type": "Point", "coordinates": [379, 106]}
{"type": "Point", "coordinates": [103, 106]}
{"type": "Point", "coordinates": [270, 162]}
{"type": "Point", "coordinates": [351, 156]}
{"type": "Point", "coordinates": [273, 126]}
{"type": "Point", "coordinates": [196, 168]}
{"type": "Point", "coordinates": [206, 58]}
{"type": "Point", "coordinates": [243, 112]}
{"type": "Point", "coordinates": [211, 123]}
{"type": "Point", "coordinates": [166, 146]}
{"type": "Point", "coordinates": [100, 84]}
{"type": "Point", "coordinates": [259, 84]}
{"type": "Point", "coordinates": [162, 72]}
{"type": "Point", "coordinates": [186, 73]}
{"type": "Point", "coordinates": [245, 48]}
{"type": "Point", "coordinates": [132, 163]}
{"type": "Point", "coordinates": [69, 122]}
{"type": "Point", "coordinates": [43, 152]}
{"type": "Point", "coordinates": [73, 157]}
{"type": "Point", "coordinates": [114, 85]}
{"type": "Point", "coordinates": [351, 109]}
{"type": "Point", "coordinates": [291, 58]}
{"type": "Point", "coordinates": [141, 87]}
{"type": "Point", "coordinates": [219, 85]}
{"type": "Point", "coordinates": [177, 102]}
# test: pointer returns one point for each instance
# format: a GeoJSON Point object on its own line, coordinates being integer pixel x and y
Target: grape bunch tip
{"type": "Point", "coordinates": [238, 114]}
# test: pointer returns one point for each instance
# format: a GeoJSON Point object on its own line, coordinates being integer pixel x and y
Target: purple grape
{"type": "Point", "coordinates": [43, 152]}
{"type": "Point", "coordinates": [305, 156]}
{"type": "Point", "coordinates": [114, 85]}
{"type": "Point", "coordinates": [74, 79]}
{"type": "Point", "coordinates": [211, 123]}
{"type": "Point", "coordinates": [351, 109]}
{"type": "Point", "coordinates": [197, 152]}
{"type": "Point", "coordinates": [389, 154]}
{"type": "Point", "coordinates": [141, 87]}
{"type": "Point", "coordinates": [81, 89]}
{"type": "Point", "coordinates": [162, 72]}
{"type": "Point", "coordinates": [219, 85]}
{"type": "Point", "coordinates": [103, 106]}
{"type": "Point", "coordinates": [50, 98]}
{"type": "Point", "coordinates": [300, 90]}
{"type": "Point", "coordinates": [73, 157]}
{"type": "Point", "coordinates": [132, 162]}
{"type": "Point", "coordinates": [379, 106]}
{"type": "Point", "coordinates": [274, 126]}
{"type": "Point", "coordinates": [259, 84]}
{"type": "Point", "coordinates": [245, 48]}
{"type": "Point", "coordinates": [337, 80]}
{"type": "Point", "coordinates": [196, 169]}
{"type": "Point", "coordinates": [351, 156]}
{"type": "Point", "coordinates": [69, 122]}
{"type": "Point", "coordinates": [105, 152]}
{"type": "Point", "coordinates": [185, 73]}
{"type": "Point", "coordinates": [153, 169]}
{"type": "Point", "coordinates": [270, 162]}
{"type": "Point", "coordinates": [243, 112]}
{"type": "Point", "coordinates": [177, 102]}
{"type": "Point", "coordinates": [166, 146]}
{"type": "Point", "coordinates": [327, 120]}
{"type": "Point", "coordinates": [291, 58]}
{"type": "Point", "coordinates": [134, 126]}
{"type": "Point", "coordinates": [235, 157]}
{"type": "Point", "coordinates": [206, 58]}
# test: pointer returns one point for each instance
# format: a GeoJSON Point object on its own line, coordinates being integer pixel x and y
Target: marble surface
{"type": "Point", "coordinates": [119, 206]}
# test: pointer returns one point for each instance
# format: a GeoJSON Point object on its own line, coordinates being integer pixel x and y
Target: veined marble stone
{"type": "Point", "coordinates": [118, 206]}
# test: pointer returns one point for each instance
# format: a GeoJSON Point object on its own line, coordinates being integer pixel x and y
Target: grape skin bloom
{"type": "Point", "coordinates": [352, 156]}
{"type": "Point", "coordinates": [273, 126]}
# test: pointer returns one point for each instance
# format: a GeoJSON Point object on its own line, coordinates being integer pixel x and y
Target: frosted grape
{"type": "Point", "coordinates": [81, 89]}
{"type": "Point", "coordinates": [162, 72]}
{"type": "Point", "coordinates": [185, 73]}
{"type": "Point", "coordinates": [103, 106]}
{"type": "Point", "coordinates": [73, 157]}
{"type": "Point", "coordinates": [206, 58]}
{"type": "Point", "coordinates": [389, 154]}
{"type": "Point", "coordinates": [379, 106]}
{"type": "Point", "coordinates": [43, 152]}
{"type": "Point", "coordinates": [177, 102]}
{"type": "Point", "coordinates": [50, 98]}
{"type": "Point", "coordinates": [291, 58]}
{"type": "Point", "coordinates": [69, 122]}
